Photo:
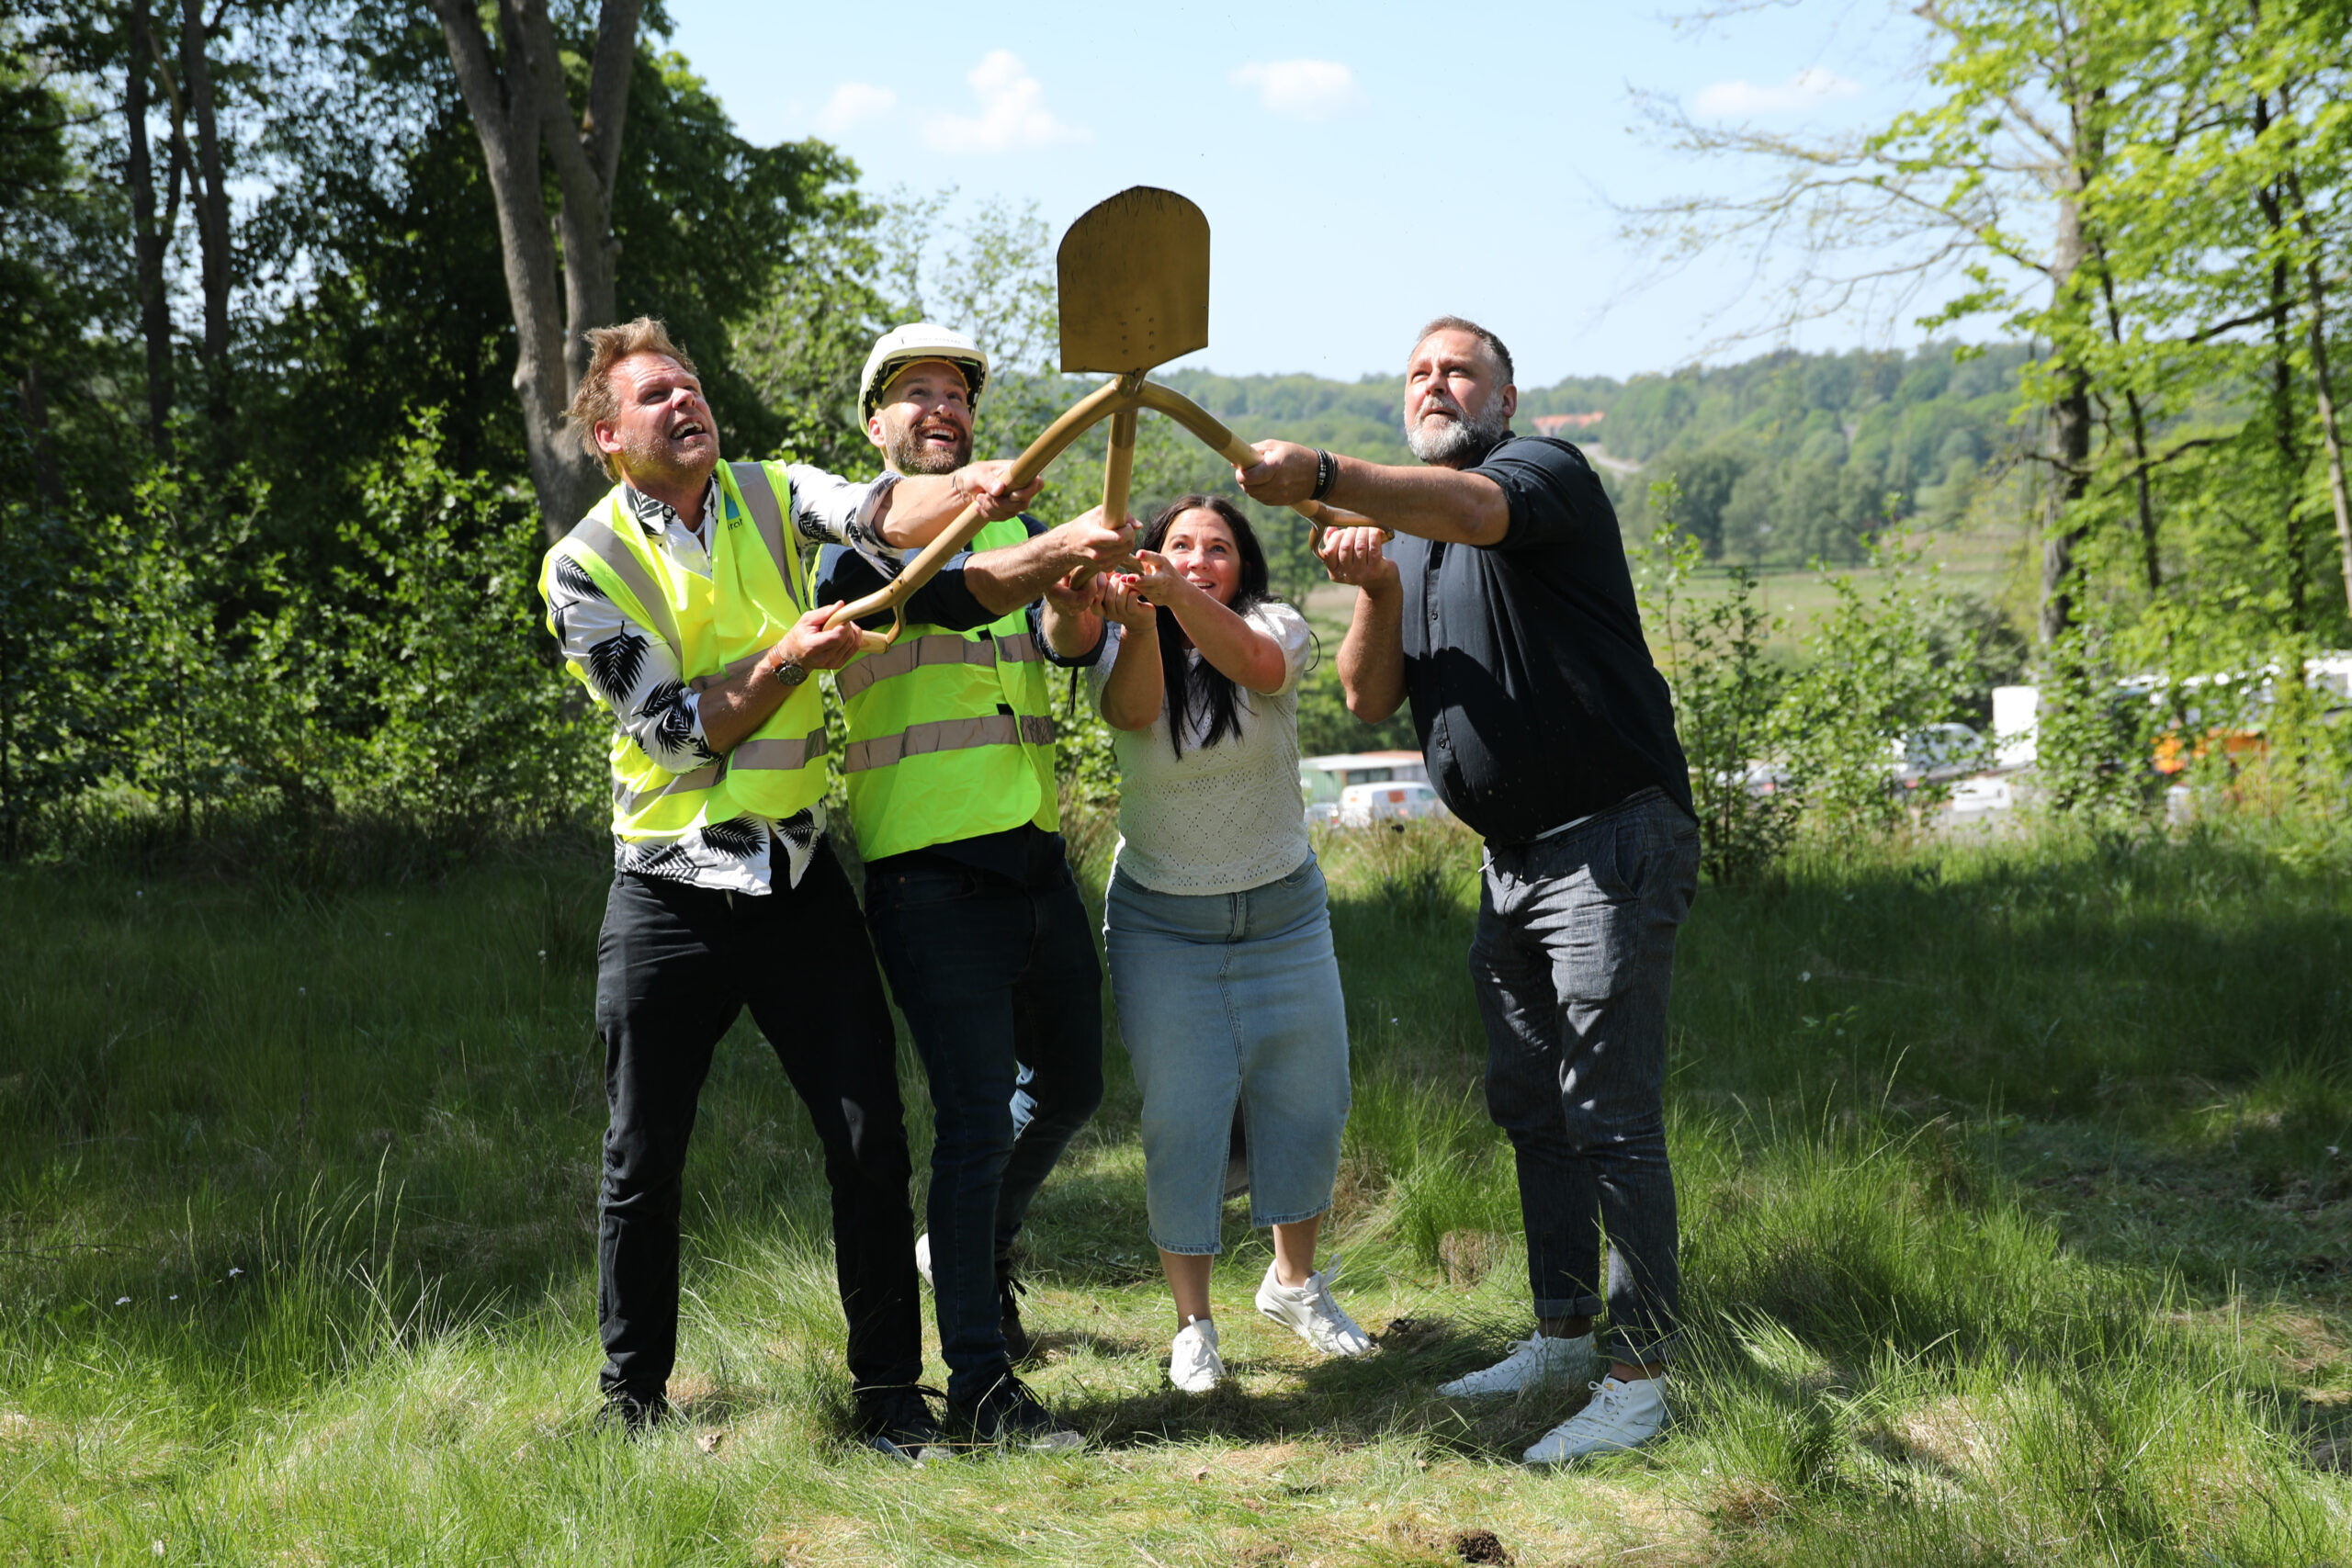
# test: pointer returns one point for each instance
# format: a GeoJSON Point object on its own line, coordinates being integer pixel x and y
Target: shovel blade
{"type": "Point", "coordinates": [1133, 273]}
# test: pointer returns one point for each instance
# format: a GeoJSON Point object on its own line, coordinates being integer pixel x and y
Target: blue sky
{"type": "Point", "coordinates": [1363, 166]}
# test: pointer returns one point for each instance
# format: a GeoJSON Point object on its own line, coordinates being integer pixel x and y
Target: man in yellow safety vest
{"type": "Point", "coordinates": [949, 769]}
{"type": "Point", "coordinates": [680, 603]}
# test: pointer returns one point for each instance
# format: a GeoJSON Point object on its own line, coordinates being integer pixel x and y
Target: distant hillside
{"type": "Point", "coordinates": [1779, 459]}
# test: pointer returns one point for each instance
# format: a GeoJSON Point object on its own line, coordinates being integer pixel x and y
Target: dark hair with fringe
{"type": "Point", "coordinates": [1195, 689]}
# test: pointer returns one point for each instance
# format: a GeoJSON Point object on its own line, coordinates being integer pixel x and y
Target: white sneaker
{"type": "Point", "coordinates": [1537, 1361]}
{"type": "Point", "coordinates": [922, 1256]}
{"type": "Point", "coordinates": [1309, 1311]}
{"type": "Point", "coordinates": [1622, 1416]}
{"type": "Point", "coordinates": [1193, 1364]}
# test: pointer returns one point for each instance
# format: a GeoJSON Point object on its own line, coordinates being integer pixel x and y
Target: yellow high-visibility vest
{"type": "Point", "coordinates": [951, 734]}
{"type": "Point", "coordinates": [716, 627]}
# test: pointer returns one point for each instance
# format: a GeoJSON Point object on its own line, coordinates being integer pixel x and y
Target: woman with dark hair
{"type": "Point", "coordinates": [1215, 920]}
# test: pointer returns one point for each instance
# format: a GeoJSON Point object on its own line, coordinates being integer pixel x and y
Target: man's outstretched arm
{"type": "Point", "coordinates": [917, 508]}
{"type": "Point", "coordinates": [1005, 578]}
{"type": "Point", "coordinates": [1433, 502]}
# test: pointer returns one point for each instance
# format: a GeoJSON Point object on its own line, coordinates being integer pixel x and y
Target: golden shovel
{"type": "Point", "coordinates": [1133, 278]}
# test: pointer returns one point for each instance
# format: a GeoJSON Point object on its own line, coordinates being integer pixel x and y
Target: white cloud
{"type": "Point", "coordinates": [1013, 112]}
{"type": "Point", "coordinates": [852, 102]}
{"type": "Point", "coordinates": [1301, 89]}
{"type": "Point", "coordinates": [1808, 88]}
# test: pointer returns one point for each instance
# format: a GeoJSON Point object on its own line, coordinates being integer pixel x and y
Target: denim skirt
{"type": "Point", "coordinates": [1226, 998]}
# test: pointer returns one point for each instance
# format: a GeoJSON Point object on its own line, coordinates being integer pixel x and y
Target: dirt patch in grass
{"type": "Point", "coordinates": [1479, 1546]}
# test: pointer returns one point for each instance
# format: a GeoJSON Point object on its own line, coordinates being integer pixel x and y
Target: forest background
{"type": "Point", "coordinates": [294, 291]}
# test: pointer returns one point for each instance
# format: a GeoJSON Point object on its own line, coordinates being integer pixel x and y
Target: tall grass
{"type": "Point", "coordinates": [2013, 1178]}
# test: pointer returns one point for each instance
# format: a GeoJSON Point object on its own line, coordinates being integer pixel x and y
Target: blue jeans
{"type": "Point", "coordinates": [994, 975]}
{"type": "Point", "coordinates": [1572, 962]}
{"type": "Point", "coordinates": [1230, 997]}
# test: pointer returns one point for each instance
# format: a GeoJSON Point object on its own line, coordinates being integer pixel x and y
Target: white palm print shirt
{"type": "Point", "coordinates": [635, 675]}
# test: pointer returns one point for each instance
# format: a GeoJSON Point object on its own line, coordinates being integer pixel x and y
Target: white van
{"type": "Point", "coordinates": [1323, 780]}
{"type": "Point", "coordinates": [1363, 805]}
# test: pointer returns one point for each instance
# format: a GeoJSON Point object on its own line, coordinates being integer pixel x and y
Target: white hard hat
{"type": "Point", "coordinates": [919, 341]}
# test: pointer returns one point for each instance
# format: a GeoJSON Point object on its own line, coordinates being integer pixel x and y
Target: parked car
{"type": "Point", "coordinates": [1936, 753]}
{"type": "Point", "coordinates": [1363, 805]}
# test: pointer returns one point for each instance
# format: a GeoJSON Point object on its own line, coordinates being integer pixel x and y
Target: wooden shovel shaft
{"type": "Point", "coordinates": [1240, 454]}
{"type": "Point", "coordinates": [1111, 399]}
{"type": "Point", "coordinates": [1118, 468]}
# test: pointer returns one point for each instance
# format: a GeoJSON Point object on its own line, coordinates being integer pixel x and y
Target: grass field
{"type": "Point", "coordinates": [2017, 1192]}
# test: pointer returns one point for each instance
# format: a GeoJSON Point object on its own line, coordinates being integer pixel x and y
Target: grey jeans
{"type": "Point", "coordinates": [1573, 961]}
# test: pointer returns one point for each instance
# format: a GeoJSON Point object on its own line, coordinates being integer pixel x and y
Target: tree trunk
{"type": "Point", "coordinates": [517, 110]}
{"type": "Point", "coordinates": [2282, 380]}
{"type": "Point", "coordinates": [2323, 383]}
{"type": "Point", "coordinates": [32, 402]}
{"type": "Point", "coordinates": [2070, 450]}
{"type": "Point", "coordinates": [147, 241]}
{"type": "Point", "coordinates": [2142, 481]}
{"type": "Point", "coordinates": [2070, 442]}
{"type": "Point", "coordinates": [211, 194]}
{"type": "Point", "coordinates": [587, 160]}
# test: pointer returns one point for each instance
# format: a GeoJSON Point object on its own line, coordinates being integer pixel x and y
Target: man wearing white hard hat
{"type": "Point", "coordinates": [970, 900]}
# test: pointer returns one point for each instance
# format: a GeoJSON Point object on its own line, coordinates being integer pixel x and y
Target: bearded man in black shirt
{"type": "Point", "coordinates": [1504, 610]}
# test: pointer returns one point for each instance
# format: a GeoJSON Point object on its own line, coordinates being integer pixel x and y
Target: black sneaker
{"type": "Point", "coordinates": [633, 1416]}
{"type": "Point", "coordinates": [1009, 1415]}
{"type": "Point", "coordinates": [897, 1422]}
{"type": "Point", "coordinates": [1018, 1347]}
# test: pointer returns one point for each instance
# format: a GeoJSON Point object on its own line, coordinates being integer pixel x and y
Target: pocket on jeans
{"type": "Point", "coordinates": [921, 889]}
{"type": "Point", "coordinates": [1623, 856]}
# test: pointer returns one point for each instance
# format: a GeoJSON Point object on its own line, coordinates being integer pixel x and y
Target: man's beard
{"type": "Point", "coordinates": [662, 460]}
{"type": "Point", "coordinates": [1454, 443]}
{"type": "Point", "coordinates": [911, 455]}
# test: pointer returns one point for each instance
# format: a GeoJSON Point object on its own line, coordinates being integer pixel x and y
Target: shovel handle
{"type": "Point", "coordinates": [1117, 400]}
{"type": "Point", "coordinates": [1118, 468]}
{"type": "Point", "coordinates": [893, 595]}
{"type": "Point", "coordinates": [1240, 454]}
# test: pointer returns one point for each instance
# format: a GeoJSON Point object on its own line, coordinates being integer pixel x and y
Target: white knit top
{"type": "Point", "coordinates": [1220, 818]}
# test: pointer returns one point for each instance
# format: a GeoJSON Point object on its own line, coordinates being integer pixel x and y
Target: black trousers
{"type": "Point", "coordinates": [675, 965]}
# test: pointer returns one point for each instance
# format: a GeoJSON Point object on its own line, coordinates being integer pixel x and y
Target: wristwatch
{"type": "Point", "coordinates": [788, 672]}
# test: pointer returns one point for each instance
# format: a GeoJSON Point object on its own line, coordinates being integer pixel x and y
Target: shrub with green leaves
{"type": "Point", "coordinates": [1875, 673]}
{"type": "Point", "coordinates": [1725, 691]}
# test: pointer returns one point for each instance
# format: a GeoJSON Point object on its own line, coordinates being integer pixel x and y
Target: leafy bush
{"type": "Point", "coordinates": [469, 730]}
{"type": "Point", "coordinates": [2091, 736]}
{"type": "Point", "coordinates": [211, 684]}
{"type": "Point", "coordinates": [1876, 671]}
{"type": "Point", "coordinates": [1724, 692]}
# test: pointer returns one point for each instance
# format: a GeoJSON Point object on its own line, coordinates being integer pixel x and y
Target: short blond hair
{"type": "Point", "coordinates": [595, 402]}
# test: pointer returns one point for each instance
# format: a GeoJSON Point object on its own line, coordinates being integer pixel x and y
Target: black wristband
{"type": "Point", "coordinates": [1326, 468]}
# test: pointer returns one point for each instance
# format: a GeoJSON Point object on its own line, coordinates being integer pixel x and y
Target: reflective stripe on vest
{"type": "Point", "coordinates": [596, 532]}
{"type": "Point", "coordinates": [938, 648]}
{"type": "Point", "coordinates": [630, 801]}
{"type": "Point", "coordinates": [780, 755]}
{"type": "Point", "coordinates": [759, 500]}
{"type": "Point", "coordinates": [948, 735]}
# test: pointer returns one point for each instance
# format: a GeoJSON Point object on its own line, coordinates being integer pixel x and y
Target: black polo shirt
{"type": "Point", "coordinates": [1533, 691]}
